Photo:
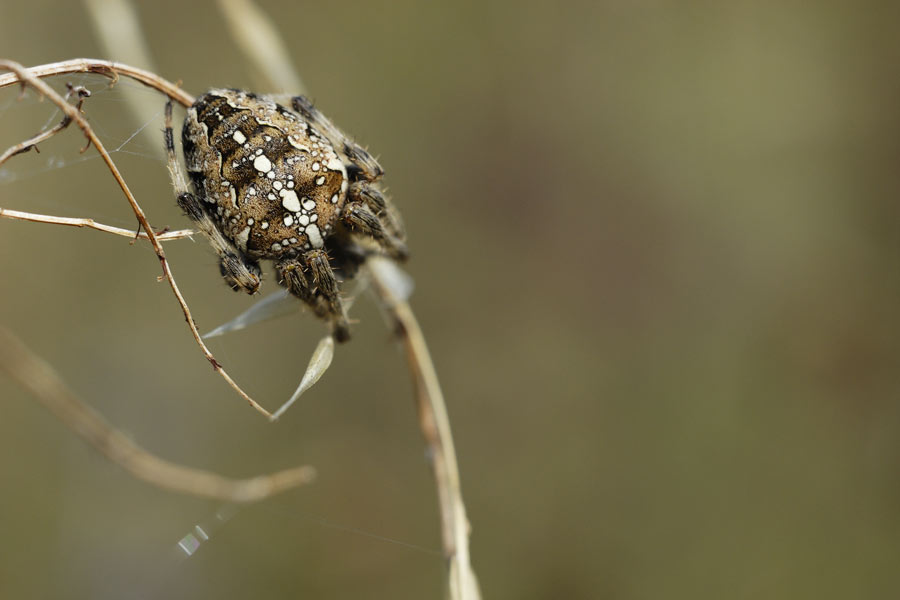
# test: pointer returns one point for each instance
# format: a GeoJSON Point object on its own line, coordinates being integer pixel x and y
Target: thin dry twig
{"type": "Point", "coordinates": [39, 379]}
{"type": "Point", "coordinates": [28, 77]}
{"type": "Point", "coordinates": [162, 236]}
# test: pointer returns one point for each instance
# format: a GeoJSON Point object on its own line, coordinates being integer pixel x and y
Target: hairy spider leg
{"type": "Point", "coordinates": [369, 194]}
{"type": "Point", "coordinates": [366, 163]}
{"type": "Point", "coordinates": [239, 271]}
{"type": "Point", "coordinates": [310, 278]}
{"type": "Point", "coordinates": [360, 219]}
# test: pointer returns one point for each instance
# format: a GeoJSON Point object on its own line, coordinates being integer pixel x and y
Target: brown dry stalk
{"type": "Point", "coordinates": [434, 423]}
{"type": "Point", "coordinates": [107, 68]}
{"type": "Point", "coordinates": [40, 380]}
{"type": "Point", "coordinates": [162, 236]}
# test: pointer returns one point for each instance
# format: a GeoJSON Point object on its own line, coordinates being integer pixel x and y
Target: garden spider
{"type": "Point", "coordinates": [270, 183]}
{"type": "Point", "coordinates": [309, 171]}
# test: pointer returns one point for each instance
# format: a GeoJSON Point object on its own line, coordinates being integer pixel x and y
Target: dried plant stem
{"type": "Point", "coordinates": [107, 68]}
{"type": "Point", "coordinates": [39, 379]}
{"type": "Point", "coordinates": [434, 423]}
{"type": "Point", "coordinates": [25, 77]}
{"type": "Point", "coordinates": [259, 39]}
{"type": "Point", "coordinates": [162, 236]}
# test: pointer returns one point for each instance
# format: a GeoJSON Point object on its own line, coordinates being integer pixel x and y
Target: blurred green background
{"type": "Point", "coordinates": [655, 247]}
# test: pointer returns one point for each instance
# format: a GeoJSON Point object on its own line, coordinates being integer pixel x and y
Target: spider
{"type": "Point", "coordinates": [269, 183]}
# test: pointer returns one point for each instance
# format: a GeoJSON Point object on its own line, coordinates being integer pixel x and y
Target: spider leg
{"type": "Point", "coordinates": [358, 155]}
{"type": "Point", "coordinates": [368, 211]}
{"type": "Point", "coordinates": [359, 218]}
{"type": "Point", "coordinates": [368, 193]}
{"type": "Point", "coordinates": [239, 272]}
{"type": "Point", "coordinates": [310, 278]}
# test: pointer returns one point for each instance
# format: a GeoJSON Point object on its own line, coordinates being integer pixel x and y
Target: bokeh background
{"type": "Point", "coordinates": [655, 247]}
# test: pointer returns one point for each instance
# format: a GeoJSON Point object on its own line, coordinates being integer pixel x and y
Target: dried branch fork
{"type": "Point", "coordinates": [25, 77]}
{"type": "Point", "coordinates": [39, 379]}
{"type": "Point", "coordinates": [32, 142]}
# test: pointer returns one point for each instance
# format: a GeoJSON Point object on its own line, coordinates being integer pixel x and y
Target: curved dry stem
{"type": "Point", "coordinates": [434, 423]}
{"type": "Point", "coordinates": [30, 78]}
{"type": "Point", "coordinates": [107, 68]}
{"type": "Point", "coordinates": [39, 379]}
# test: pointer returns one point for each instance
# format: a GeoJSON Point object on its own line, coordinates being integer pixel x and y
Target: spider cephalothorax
{"type": "Point", "coordinates": [272, 183]}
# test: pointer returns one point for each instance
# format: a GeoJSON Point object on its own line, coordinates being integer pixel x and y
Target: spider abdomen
{"type": "Point", "coordinates": [285, 185]}
{"type": "Point", "coordinates": [273, 183]}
